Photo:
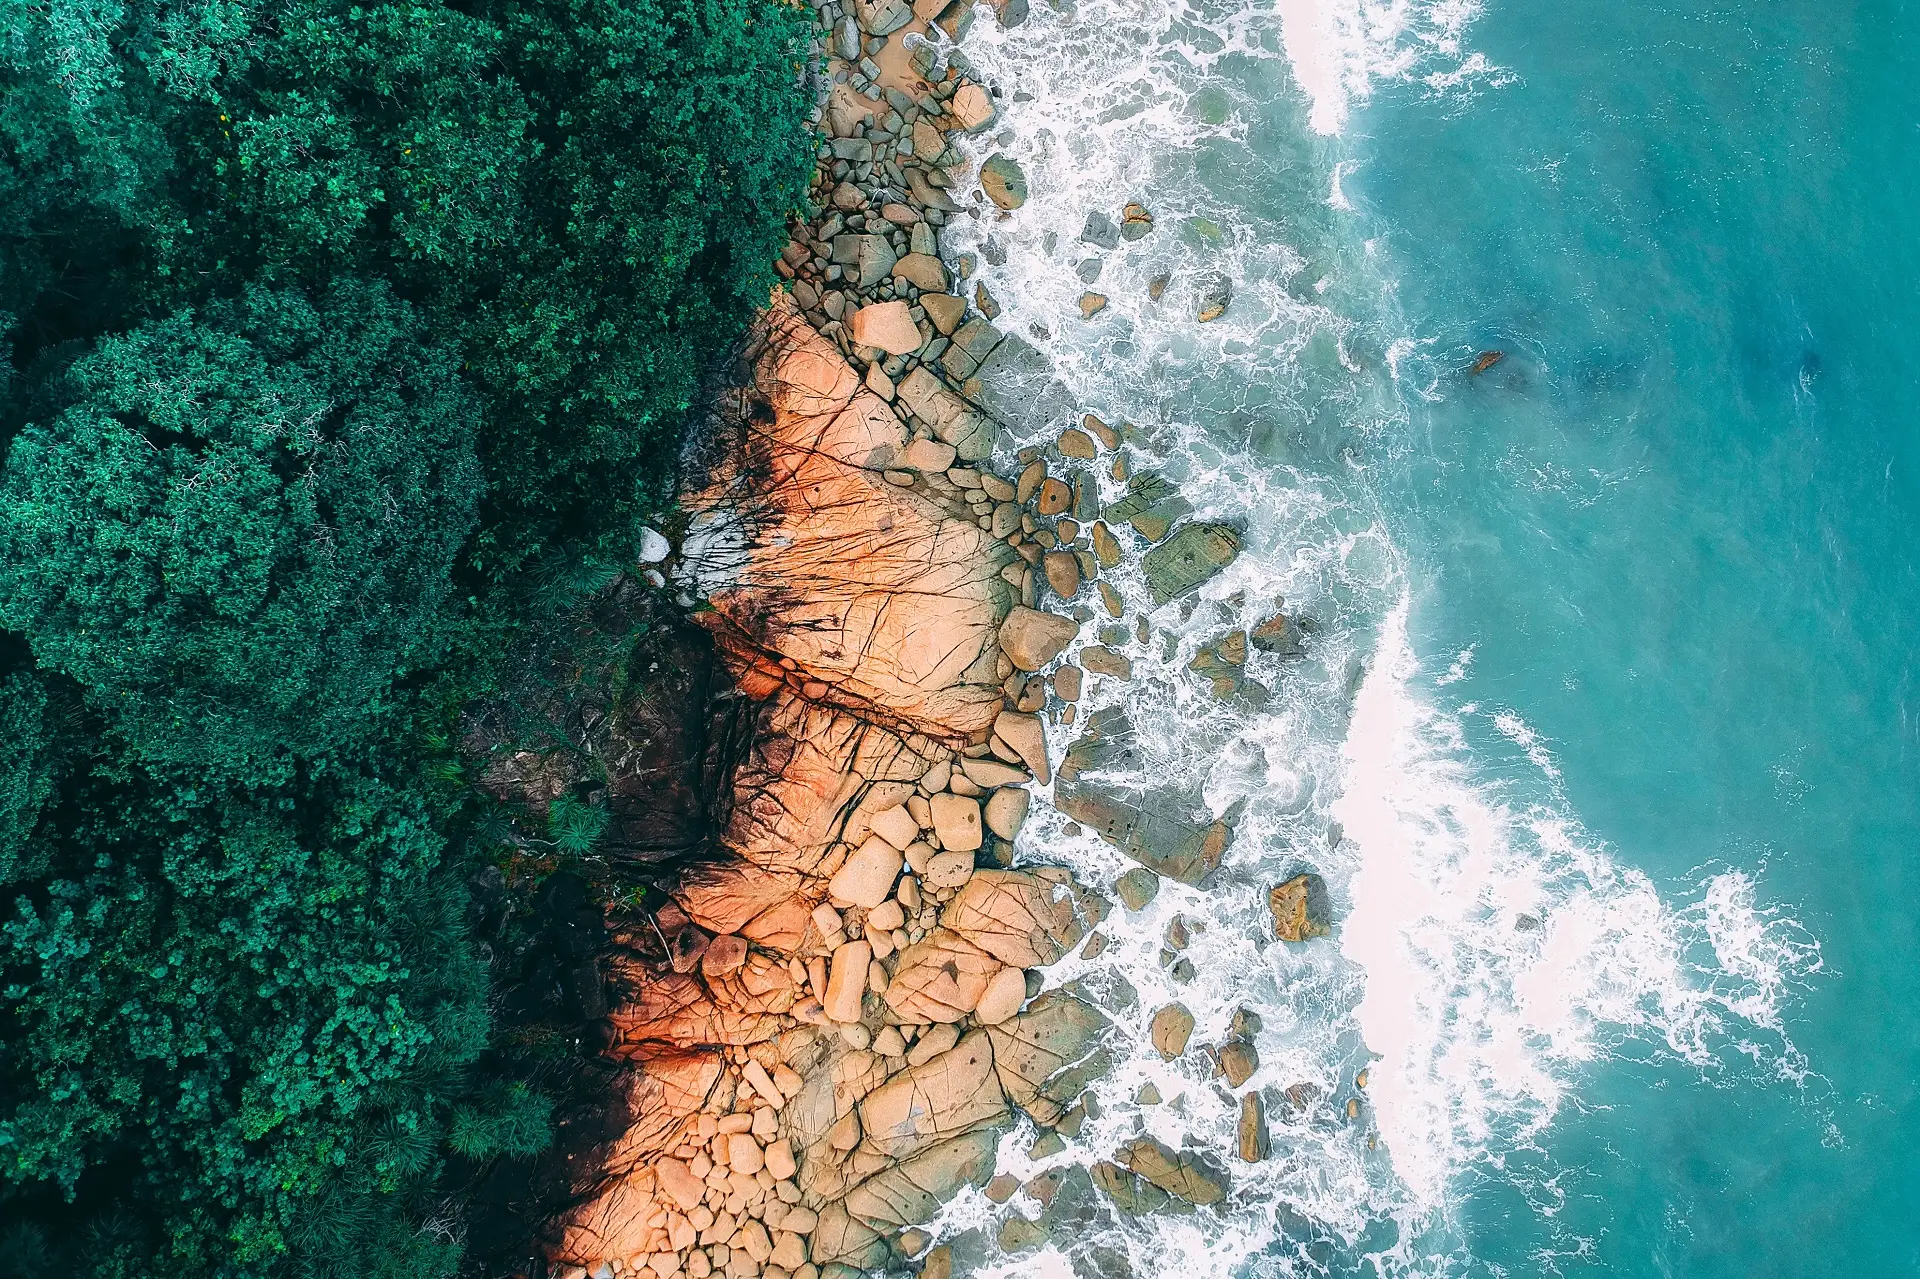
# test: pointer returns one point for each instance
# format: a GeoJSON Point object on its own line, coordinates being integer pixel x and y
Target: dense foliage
{"type": "Point", "coordinates": [346, 342]}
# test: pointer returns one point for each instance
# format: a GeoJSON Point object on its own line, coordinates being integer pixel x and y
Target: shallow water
{"type": "Point", "coordinates": [1604, 744]}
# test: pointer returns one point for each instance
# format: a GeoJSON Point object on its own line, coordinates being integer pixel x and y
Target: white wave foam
{"type": "Point", "coordinates": [1503, 947]}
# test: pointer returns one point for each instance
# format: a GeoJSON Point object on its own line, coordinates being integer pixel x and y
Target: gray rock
{"type": "Point", "coordinates": [1155, 827]}
{"type": "Point", "coordinates": [1188, 559]}
{"type": "Point", "coordinates": [1003, 181]}
{"type": "Point", "coordinates": [1100, 230]}
{"type": "Point", "coordinates": [883, 17]}
{"type": "Point", "coordinates": [846, 40]}
{"type": "Point", "coordinates": [871, 256]}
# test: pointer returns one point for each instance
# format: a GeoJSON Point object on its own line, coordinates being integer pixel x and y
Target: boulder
{"type": "Point", "coordinates": [1185, 1175]}
{"type": "Point", "coordinates": [945, 310]}
{"type": "Point", "coordinates": [1155, 826]}
{"type": "Point", "coordinates": [1049, 1054]}
{"type": "Point", "coordinates": [870, 256]}
{"type": "Point", "coordinates": [1172, 1028]}
{"type": "Point", "coordinates": [971, 107]}
{"type": "Point", "coordinates": [866, 877]}
{"type": "Point", "coordinates": [848, 981]}
{"type": "Point", "coordinates": [838, 1238]}
{"type": "Point", "coordinates": [947, 1097]}
{"type": "Point", "coordinates": [987, 773]}
{"type": "Point", "coordinates": [932, 457]}
{"type": "Point", "coordinates": [1027, 735]}
{"type": "Point", "coordinates": [939, 978]}
{"type": "Point", "coordinates": [914, 1191]}
{"type": "Point", "coordinates": [956, 820]}
{"type": "Point", "coordinates": [1301, 909]}
{"type": "Point", "coordinates": [1015, 917]}
{"type": "Point", "coordinates": [1238, 1061]}
{"type": "Point", "coordinates": [1099, 230]}
{"type": "Point", "coordinates": [949, 870]}
{"type": "Point", "coordinates": [1133, 1195]}
{"type": "Point", "coordinates": [1031, 639]}
{"type": "Point", "coordinates": [1063, 573]}
{"type": "Point", "coordinates": [1002, 998]}
{"type": "Point", "coordinates": [886, 325]}
{"type": "Point", "coordinates": [1004, 181]}
{"type": "Point", "coordinates": [1254, 1142]}
{"type": "Point", "coordinates": [1006, 811]}
{"type": "Point", "coordinates": [953, 419]}
{"type": "Point", "coordinates": [1188, 559]}
{"type": "Point", "coordinates": [923, 272]}
{"type": "Point", "coordinates": [883, 17]}
{"type": "Point", "coordinates": [1137, 888]}
{"type": "Point", "coordinates": [896, 826]}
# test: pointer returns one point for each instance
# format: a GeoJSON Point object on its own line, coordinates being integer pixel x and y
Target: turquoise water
{"type": "Point", "coordinates": [1679, 522]}
{"type": "Point", "coordinates": [1603, 744]}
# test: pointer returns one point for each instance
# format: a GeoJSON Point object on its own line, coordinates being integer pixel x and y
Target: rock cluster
{"type": "Point", "coordinates": [823, 1030]}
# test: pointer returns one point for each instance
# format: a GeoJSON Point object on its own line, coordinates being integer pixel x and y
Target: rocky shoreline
{"type": "Point", "coordinates": [826, 1031]}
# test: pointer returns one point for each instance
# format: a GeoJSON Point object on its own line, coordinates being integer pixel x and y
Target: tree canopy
{"type": "Point", "coordinates": [337, 335]}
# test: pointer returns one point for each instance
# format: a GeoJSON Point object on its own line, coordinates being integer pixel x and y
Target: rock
{"type": "Point", "coordinates": [956, 820]}
{"type": "Point", "coordinates": [870, 255]}
{"type": "Point", "coordinates": [1188, 559]}
{"type": "Point", "coordinates": [953, 1094]}
{"type": "Point", "coordinates": [896, 826]}
{"type": "Point", "coordinates": [1063, 573]}
{"type": "Point", "coordinates": [1003, 181]}
{"type": "Point", "coordinates": [1002, 998]}
{"type": "Point", "coordinates": [846, 40]}
{"type": "Point", "coordinates": [680, 1184]}
{"type": "Point", "coordinates": [928, 142]}
{"type": "Point", "coordinates": [1172, 1028]}
{"type": "Point", "coordinates": [882, 17]}
{"type": "Point", "coordinates": [1031, 639]}
{"type": "Point", "coordinates": [724, 956]}
{"type": "Point", "coordinates": [1092, 304]}
{"type": "Point", "coordinates": [1066, 683]}
{"type": "Point", "coordinates": [972, 343]}
{"type": "Point", "coordinates": [1027, 735]}
{"type": "Point", "coordinates": [1133, 1195]}
{"type": "Point", "coordinates": [1015, 917]}
{"type": "Point", "coordinates": [744, 1154]}
{"type": "Point", "coordinates": [838, 1238]}
{"type": "Point", "coordinates": [1301, 909]}
{"type": "Point", "coordinates": [1100, 230]}
{"type": "Point", "coordinates": [866, 878]}
{"type": "Point", "coordinates": [1216, 294]}
{"type": "Point", "coordinates": [1254, 1142]}
{"type": "Point", "coordinates": [1006, 811]}
{"type": "Point", "coordinates": [1135, 221]}
{"type": "Point", "coordinates": [848, 981]}
{"type": "Point", "coordinates": [1054, 497]}
{"type": "Point", "coordinates": [888, 326]}
{"type": "Point", "coordinates": [951, 417]}
{"type": "Point", "coordinates": [1279, 634]}
{"type": "Point", "coordinates": [1017, 1234]}
{"type": "Point", "coordinates": [1002, 1188]}
{"type": "Point", "coordinates": [971, 107]}
{"type": "Point", "coordinates": [939, 1264]}
{"type": "Point", "coordinates": [1184, 1175]}
{"type": "Point", "coordinates": [930, 457]}
{"type": "Point", "coordinates": [1101, 660]}
{"type": "Point", "coordinates": [946, 311]}
{"type": "Point", "coordinates": [1154, 825]}
{"type": "Point", "coordinates": [923, 272]}
{"type": "Point", "coordinates": [1049, 1054]}
{"type": "Point", "coordinates": [1137, 887]}
{"type": "Point", "coordinates": [1238, 1061]}
{"type": "Point", "coordinates": [940, 978]}
{"type": "Point", "coordinates": [949, 870]}
{"type": "Point", "coordinates": [914, 1191]}
{"type": "Point", "coordinates": [1076, 443]}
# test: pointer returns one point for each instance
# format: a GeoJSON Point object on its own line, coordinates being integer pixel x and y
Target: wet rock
{"type": "Point", "coordinates": [1279, 634]}
{"type": "Point", "coordinates": [883, 17]}
{"type": "Point", "coordinates": [1254, 1143]}
{"type": "Point", "coordinates": [1100, 230]}
{"type": "Point", "coordinates": [946, 311]}
{"type": "Point", "coordinates": [1301, 908]}
{"type": "Point", "coordinates": [1053, 498]}
{"type": "Point", "coordinates": [1017, 1234]}
{"type": "Point", "coordinates": [1048, 1055]}
{"type": "Point", "coordinates": [1216, 295]}
{"type": "Point", "coordinates": [1137, 887]}
{"type": "Point", "coordinates": [1135, 221]}
{"type": "Point", "coordinates": [1238, 1061]}
{"type": "Point", "coordinates": [923, 272]}
{"type": "Point", "coordinates": [1003, 180]}
{"type": "Point", "coordinates": [1185, 1175]}
{"type": "Point", "coordinates": [971, 107]}
{"type": "Point", "coordinates": [1155, 827]}
{"type": "Point", "coordinates": [1027, 735]}
{"type": "Point", "coordinates": [1131, 1194]}
{"type": "Point", "coordinates": [1063, 573]}
{"type": "Point", "coordinates": [1092, 304]}
{"type": "Point", "coordinates": [1172, 1028]}
{"type": "Point", "coordinates": [1188, 559]}
{"type": "Point", "coordinates": [913, 1192]}
{"type": "Point", "coordinates": [1031, 639]}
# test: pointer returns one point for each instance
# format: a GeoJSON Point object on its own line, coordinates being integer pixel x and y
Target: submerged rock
{"type": "Point", "coordinates": [1155, 827]}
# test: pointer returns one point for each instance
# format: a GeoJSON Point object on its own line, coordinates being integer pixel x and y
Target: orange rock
{"type": "Point", "coordinates": [1015, 917]}
{"type": "Point", "coordinates": [940, 979]}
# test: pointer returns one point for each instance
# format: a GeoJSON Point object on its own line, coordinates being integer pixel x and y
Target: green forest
{"type": "Point", "coordinates": [350, 345]}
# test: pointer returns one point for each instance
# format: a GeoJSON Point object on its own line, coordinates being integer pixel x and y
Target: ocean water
{"type": "Point", "coordinates": [1606, 740]}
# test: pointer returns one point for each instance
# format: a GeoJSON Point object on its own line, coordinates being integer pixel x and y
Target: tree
{"type": "Point", "coordinates": [241, 531]}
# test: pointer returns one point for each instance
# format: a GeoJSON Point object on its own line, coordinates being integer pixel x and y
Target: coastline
{"type": "Point", "coordinates": [826, 1031]}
